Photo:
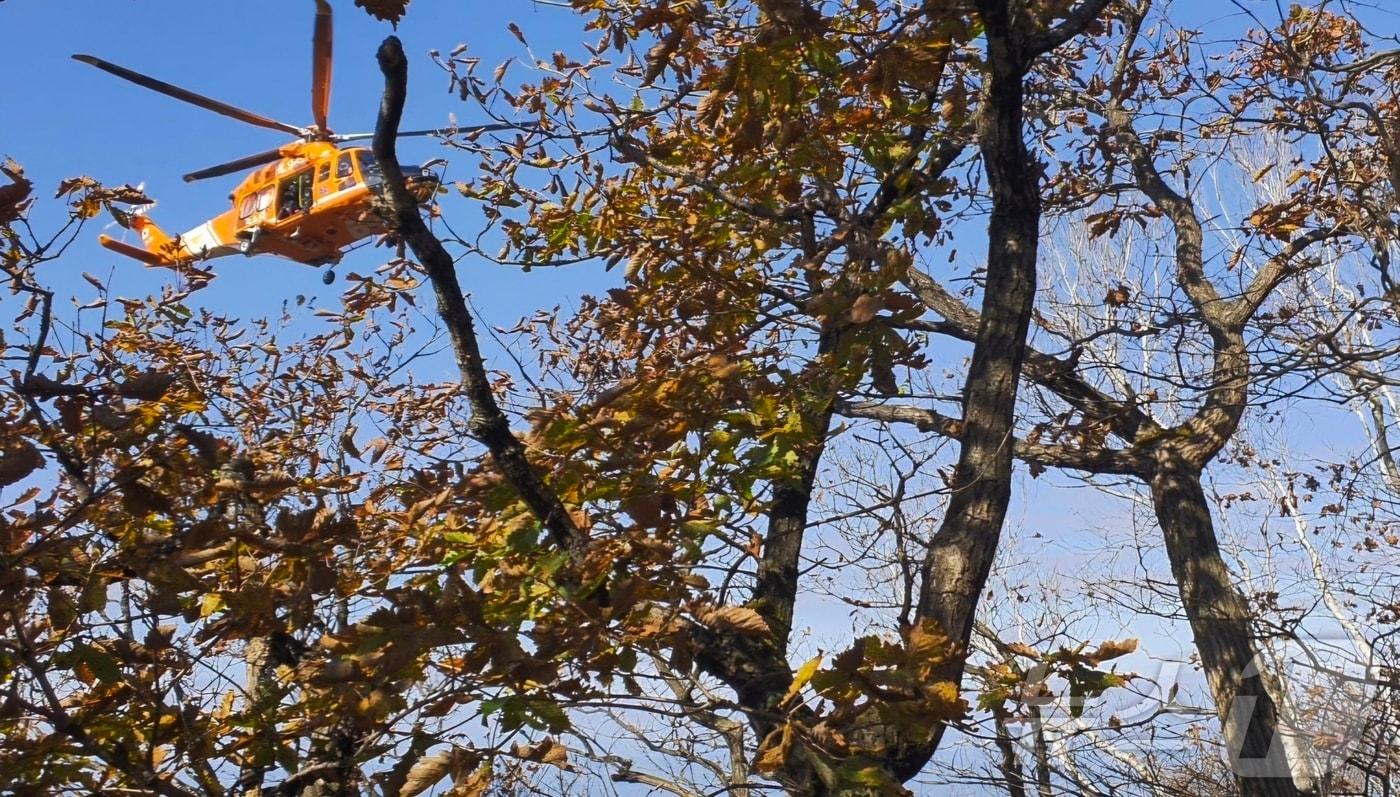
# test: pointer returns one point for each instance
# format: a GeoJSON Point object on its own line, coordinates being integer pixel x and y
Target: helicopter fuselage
{"type": "Point", "coordinates": [308, 207]}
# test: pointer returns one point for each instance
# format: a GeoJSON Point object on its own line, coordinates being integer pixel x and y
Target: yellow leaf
{"type": "Point", "coordinates": [212, 602]}
{"type": "Point", "coordinates": [803, 675]}
{"type": "Point", "coordinates": [944, 701]}
{"type": "Point", "coordinates": [225, 706]}
{"type": "Point", "coordinates": [927, 644]}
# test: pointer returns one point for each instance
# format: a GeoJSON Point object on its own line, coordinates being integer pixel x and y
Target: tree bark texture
{"type": "Point", "coordinates": [961, 553]}
{"type": "Point", "coordinates": [1220, 622]}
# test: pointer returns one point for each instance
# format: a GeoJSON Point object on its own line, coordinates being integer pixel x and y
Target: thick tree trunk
{"type": "Point", "coordinates": [1220, 622]}
{"type": "Point", "coordinates": [961, 553]}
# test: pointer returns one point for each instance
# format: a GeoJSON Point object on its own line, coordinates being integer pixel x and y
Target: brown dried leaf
{"type": "Point", "coordinates": [736, 618]}
{"type": "Point", "coordinates": [864, 309]}
{"type": "Point", "coordinates": [546, 752]}
{"type": "Point", "coordinates": [148, 386]}
{"type": "Point", "coordinates": [1112, 650]}
{"type": "Point", "coordinates": [387, 10]}
{"type": "Point", "coordinates": [14, 198]}
{"type": "Point", "coordinates": [1022, 649]}
{"type": "Point", "coordinates": [18, 458]}
{"type": "Point", "coordinates": [426, 773]}
{"type": "Point", "coordinates": [773, 753]}
{"type": "Point", "coordinates": [473, 784]}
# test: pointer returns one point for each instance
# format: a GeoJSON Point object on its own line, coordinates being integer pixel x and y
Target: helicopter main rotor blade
{"type": "Point", "coordinates": [235, 166]}
{"type": "Point", "coordinates": [446, 131]}
{"type": "Point", "coordinates": [186, 95]}
{"type": "Point", "coordinates": [321, 67]}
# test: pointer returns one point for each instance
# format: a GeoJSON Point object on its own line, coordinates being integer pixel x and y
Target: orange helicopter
{"type": "Point", "coordinates": [308, 202]}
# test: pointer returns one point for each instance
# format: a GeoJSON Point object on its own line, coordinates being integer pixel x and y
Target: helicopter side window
{"type": "Point", "coordinates": [247, 206]}
{"type": "Point", "coordinates": [264, 199]}
{"type": "Point", "coordinates": [295, 195]}
{"type": "Point", "coordinates": [343, 169]}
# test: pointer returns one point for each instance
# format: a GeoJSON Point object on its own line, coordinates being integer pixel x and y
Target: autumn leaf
{"type": "Point", "coordinates": [548, 751]}
{"type": "Point", "coordinates": [15, 197]}
{"type": "Point", "coordinates": [148, 386]}
{"type": "Point", "coordinates": [736, 618]}
{"type": "Point", "coordinates": [18, 458]}
{"type": "Point", "coordinates": [387, 10]}
{"type": "Point", "coordinates": [864, 308]}
{"type": "Point", "coordinates": [1022, 649]}
{"type": "Point", "coordinates": [773, 752]}
{"type": "Point", "coordinates": [801, 677]}
{"type": "Point", "coordinates": [1118, 296]}
{"type": "Point", "coordinates": [927, 644]}
{"type": "Point", "coordinates": [1112, 650]}
{"type": "Point", "coordinates": [944, 701]}
{"type": "Point", "coordinates": [472, 784]}
{"type": "Point", "coordinates": [427, 772]}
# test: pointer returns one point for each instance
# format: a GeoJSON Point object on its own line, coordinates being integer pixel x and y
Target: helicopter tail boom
{"type": "Point", "coordinates": [149, 258]}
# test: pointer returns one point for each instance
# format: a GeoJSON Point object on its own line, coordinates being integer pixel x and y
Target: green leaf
{"type": "Point", "coordinates": [102, 664]}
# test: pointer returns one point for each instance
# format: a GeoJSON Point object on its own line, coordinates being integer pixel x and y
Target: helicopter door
{"type": "Point", "coordinates": [294, 195]}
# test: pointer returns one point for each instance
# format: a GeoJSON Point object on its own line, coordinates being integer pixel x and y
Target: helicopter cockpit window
{"type": "Point", "coordinates": [247, 206]}
{"type": "Point", "coordinates": [265, 199]}
{"type": "Point", "coordinates": [369, 169]}
{"type": "Point", "coordinates": [343, 169]}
